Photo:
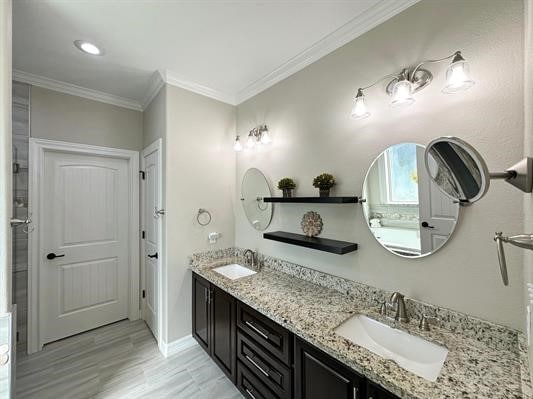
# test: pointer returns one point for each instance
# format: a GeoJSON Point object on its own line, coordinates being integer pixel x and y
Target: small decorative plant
{"type": "Point", "coordinates": [324, 182]}
{"type": "Point", "coordinates": [286, 185]}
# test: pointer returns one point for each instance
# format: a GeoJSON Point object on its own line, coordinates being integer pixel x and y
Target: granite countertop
{"type": "Point", "coordinates": [473, 369]}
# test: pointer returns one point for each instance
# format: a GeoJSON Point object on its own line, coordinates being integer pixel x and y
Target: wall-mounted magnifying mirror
{"type": "Point", "coordinates": [253, 189]}
{"type": "Point", "coordinates": [461, 173]}
{"type": "Point", "coordinates": [403, 208]}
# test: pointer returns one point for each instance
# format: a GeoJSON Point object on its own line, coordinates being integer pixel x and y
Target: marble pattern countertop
{"type": "Point", "coordinates": [473, 368]}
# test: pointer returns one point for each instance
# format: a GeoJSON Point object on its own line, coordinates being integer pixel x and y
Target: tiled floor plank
{"type": "Point", "coordinates": [120, 360]}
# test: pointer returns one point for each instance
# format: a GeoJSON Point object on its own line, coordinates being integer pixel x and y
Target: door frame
{"type": "Point", "coordinates": [155, 146]}
{"type": "Point", "coordinates": [38, 147]}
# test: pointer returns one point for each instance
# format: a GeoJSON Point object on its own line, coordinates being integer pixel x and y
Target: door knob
{"type": "Point", "coordinates": [52, 255]}
{"type": "Point", "coordinates": [153, 256]}
{"type": "Point", "coordinates": [158, 212]}
{"type": "Point", "coordinates": [17, 222]}
{"type": "Point", "coordinates": [4, 354]}
{"type": "Point", "coordinates": [427, 226]}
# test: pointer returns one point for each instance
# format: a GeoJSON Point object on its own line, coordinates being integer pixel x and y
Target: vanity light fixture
{"type": "Point", "coordinates": [88, 48]}
{"type": "Point", "coordinates": [265, 136]}
{"type": "Point", "coordinates": [458, 75]}
{"type": "Point", "coordinates": [250, 143]}
{"type": "Point", "coordinates": [405, 84]}
{"type": "Point", "coordinates": [258, 135]}
{"type": "Point", "coordinates": [360, 110]}
{"type": "Point", "coordinates": [402, 91]}
{"type": "Point", "coordinates": [237, 146]}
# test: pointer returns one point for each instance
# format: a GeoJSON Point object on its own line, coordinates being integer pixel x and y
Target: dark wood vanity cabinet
{"type": "Point", "coordinates": [201, 311]}
{"type": "Point", "coordinates": [223, 330]}
{"type": "Point", "coordinates": [263, 359]}
{"type": "Point", "coordinates": [374, 391]}
{"type": "Point", "coordinates": [317, 375]}
{"type": "Point", "coordinates": [214, 323]}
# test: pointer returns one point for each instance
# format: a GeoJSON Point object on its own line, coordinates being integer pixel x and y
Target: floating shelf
{"type": "Point", "coordinates": [321, 244]}
{"type": "Point", "coordinates": [314, 200]}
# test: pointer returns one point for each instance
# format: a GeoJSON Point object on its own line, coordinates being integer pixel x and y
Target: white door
{"type": "Point", "coordinates": [438, 212]}
{"type": "Point", "coordinates": [151, 251]}
{"type": "Point", "coordinates": [84, 236]}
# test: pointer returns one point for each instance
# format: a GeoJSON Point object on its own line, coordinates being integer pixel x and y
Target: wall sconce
{"type": "Point", "coordinates": [409, 81]}
{"type": "Point", "coordinates": [258, 135]}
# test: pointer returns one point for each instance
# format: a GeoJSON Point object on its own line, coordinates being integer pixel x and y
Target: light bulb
{"type": "Point", "coordinates": [359, 110]}
{"type": "Point", "coordinates": [250, 143]}
{"type": "Point", "coordinates": [458, 75]}
{"type": "Point", "coordinates": [265, 136]}
{"type": "Point", "coordinates": [402, 93]}
{"type": "Point", "coordinates": [237, 146]}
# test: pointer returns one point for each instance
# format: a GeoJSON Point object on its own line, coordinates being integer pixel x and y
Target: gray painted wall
{"type": "Point", "coordinates": [200, 173]}
{"type": "Point", "coordinates": [63, 117]}
{"type": "Point", "coordinates": [154, 118]}
{"type": "Point", "coordinates": [309, 118]}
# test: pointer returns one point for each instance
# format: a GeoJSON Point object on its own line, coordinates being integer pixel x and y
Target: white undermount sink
{"type": "Point", "coordinates": [234, 271]}
{"type": "Point", "coordinates": [414, 354]}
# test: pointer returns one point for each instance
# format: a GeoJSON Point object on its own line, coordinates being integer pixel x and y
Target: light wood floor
{"type": "Point", "coordinates": [119, 361]}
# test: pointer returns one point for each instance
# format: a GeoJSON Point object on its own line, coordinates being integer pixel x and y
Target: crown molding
{"type": "Point", "coordinates": [156, 83]}
{"type": "Point", "coordinates": [176, 80]}
{"type": "Point", "coordinates": [68, 88]}
{"type": "Point", "coordinates": [361, 24]}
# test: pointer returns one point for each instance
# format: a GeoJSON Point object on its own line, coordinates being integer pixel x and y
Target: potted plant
{"type": "Point", "coordinates": [286, 185]}
{"type": "Point", "coordinates": [324, 182]}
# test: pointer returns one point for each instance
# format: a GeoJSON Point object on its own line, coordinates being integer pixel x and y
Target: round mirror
{"type": "Point", "coordinates": [457, 169]}
{"type": "Point", "coordinates": [405, 211]}
{"type": "Point", "coordinates": [254, 188]}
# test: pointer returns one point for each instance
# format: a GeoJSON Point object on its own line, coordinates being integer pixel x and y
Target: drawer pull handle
{"type": "Point", "coordinates": [257, 330]}
{"type": "Point", "coordinates": [249, 393]}
{"type": "Point", "coordinates": [257, 366]}
{"type": "Point", "coordinates": [356, 391]}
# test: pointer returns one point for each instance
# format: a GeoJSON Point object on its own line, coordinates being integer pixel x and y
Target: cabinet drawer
{"type": "Point", "coordinates": [267, 368]}
{"type": "Point", "coordinates": [274, 338]}
{"type": "Point", "coordinates": [250, 386]}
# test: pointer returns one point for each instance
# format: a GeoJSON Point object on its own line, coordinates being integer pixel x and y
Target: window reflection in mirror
{"type": "Point", "coordinates": [404, 209]}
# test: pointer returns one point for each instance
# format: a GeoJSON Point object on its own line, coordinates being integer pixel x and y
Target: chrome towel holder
{"type": "Point", "coordinates": [521, 240]}
{"type": "Point", "coordinates": [201, 212]}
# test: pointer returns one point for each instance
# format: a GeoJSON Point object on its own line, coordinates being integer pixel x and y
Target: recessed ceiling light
{"type": "Point", "coordinates": [88, 48]}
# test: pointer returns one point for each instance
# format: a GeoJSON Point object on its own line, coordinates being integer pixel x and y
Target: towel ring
{"type": "Point", "coordinates": [201, 211]}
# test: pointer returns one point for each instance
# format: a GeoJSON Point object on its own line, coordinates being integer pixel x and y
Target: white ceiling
{"type": "Point", "coordinates": [229, 50]}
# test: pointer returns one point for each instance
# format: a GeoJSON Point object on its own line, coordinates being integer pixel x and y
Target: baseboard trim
{"type": "Point", "coordinates": [177, 346]}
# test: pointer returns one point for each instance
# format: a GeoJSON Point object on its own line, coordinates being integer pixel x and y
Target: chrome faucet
{"type": "Point", "coordinates": [397, 303]}
{"type": "Point", "coordinates": [250, 252]}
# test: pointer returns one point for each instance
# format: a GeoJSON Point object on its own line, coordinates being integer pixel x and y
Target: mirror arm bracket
{"type": "Point", "coordinates": [519, 175]}
{"type": "Point", "coordinates": [508, 174]}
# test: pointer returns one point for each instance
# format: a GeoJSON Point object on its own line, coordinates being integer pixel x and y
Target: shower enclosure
{"type": "Point", "coordinates": [21, 135]}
